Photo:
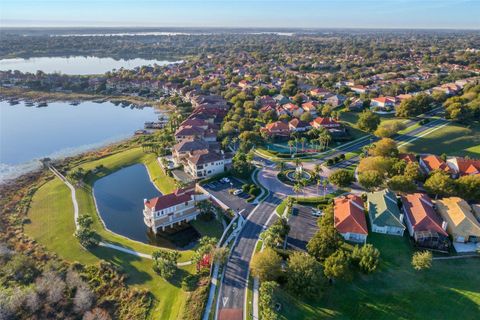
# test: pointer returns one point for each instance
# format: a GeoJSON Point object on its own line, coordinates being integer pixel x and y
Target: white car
{"type": "Point", "coordinates": [316, 212]}
{"type": "Point", "coordinates": [225, 180]}
{"type": "Point", "coordinates": [237, 192]}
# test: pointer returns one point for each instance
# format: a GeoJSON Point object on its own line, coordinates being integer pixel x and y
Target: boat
{"type": "Point", "coordinates": [29, 103]}
{"type": "Point", "coordinates": [74, 103]}
{"type": "Point", "coordinates": [42, 105]}
{"type": "Point", "coordinates": [13, 102]}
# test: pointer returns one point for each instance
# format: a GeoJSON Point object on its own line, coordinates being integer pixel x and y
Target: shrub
{"type": "Point", "coordinates": [190, 282]}
{"type": "Point", "coordinates": [366, 257]}
{"type": "Point", "coordinates": [422, 260]}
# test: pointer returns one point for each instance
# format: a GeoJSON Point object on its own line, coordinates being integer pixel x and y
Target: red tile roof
{"type": "Point", "coordinates": [420, 212]}
{"type": "Point", "coordinates": [468, 166]}
{"type": "Point", "coordinates": [325, 122]}
{"type": "Point", "coordinates": [434, 162]}
{"type": "Point", "coordinates": [170, 200]}
{"type": "Point", "coordinates": [349, 215]}
{"type": "Point", "coordinates": [407, 157]}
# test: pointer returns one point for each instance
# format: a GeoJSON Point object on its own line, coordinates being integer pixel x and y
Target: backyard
{"type": "Point", "coordinates": [449, 290]}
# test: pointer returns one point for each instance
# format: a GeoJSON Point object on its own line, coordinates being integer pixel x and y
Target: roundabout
{"type": "Point", "coordinates": [297, 175]}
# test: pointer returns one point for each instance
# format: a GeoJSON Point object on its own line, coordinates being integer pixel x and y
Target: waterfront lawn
{"type": "Point", "coordinates": [51, 224]}
{"type": "Point", "coordinates": [453, 139]}
{"type": "Point", "coordinates": [449, 290]}
{"type": "Point", "coordinates": [211, 228]}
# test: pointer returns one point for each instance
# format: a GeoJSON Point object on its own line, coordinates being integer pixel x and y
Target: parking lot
{"type": "Point", "coordinates": [238, 203]}
{"type": "Point", "coordinates": [303, 225]}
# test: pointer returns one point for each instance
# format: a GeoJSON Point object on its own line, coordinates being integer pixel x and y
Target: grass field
{"type": "Point", "coordinates": [51, 224]}
{"type": "Point", "coordinates": [449, 290]}
{"type": "Point", "coordinates": [453, 139]}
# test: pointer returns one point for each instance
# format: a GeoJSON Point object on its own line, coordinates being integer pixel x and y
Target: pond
{"type": "Point", "coordinates": [30, 133]}
{"type": "Point", "coordinates": [75, 65]}
{"type": "Point", "coordinates": [119, 197]}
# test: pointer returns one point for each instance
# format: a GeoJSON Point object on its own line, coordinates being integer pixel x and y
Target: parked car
{"type": "Point", "coordinates": [316, 212]}
{"type": "Point", "coordinates": [225, 180]}
{"type": "Point", "coordinates": [237, 192]}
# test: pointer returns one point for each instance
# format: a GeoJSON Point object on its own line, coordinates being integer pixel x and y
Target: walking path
{"type": "Point", "coordinates": [101, 243]}
{"type": "Point", "coordinates": [457, 257]}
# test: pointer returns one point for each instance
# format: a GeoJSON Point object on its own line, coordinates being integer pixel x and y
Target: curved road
{"type": "Point", "coordinates": [232, 295]}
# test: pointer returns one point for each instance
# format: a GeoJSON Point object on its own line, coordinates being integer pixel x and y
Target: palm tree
{"type": "Point", "coordinates": [325, 184]}
{"type": "Point", "coordinates": [290, 145]}
{"type": "Point", "coordinates": [303, 140]}
{"type": "Point", "coordinates": [296, 188]}
{"type": "Point", "coordinates": [281, 166]}
{"type": "Point", "coordinates": [296, 145]}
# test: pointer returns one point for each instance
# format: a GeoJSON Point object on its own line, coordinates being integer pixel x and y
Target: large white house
{"type": "Point", "coordinates": [207, 164]}
{"type": "Point", "coordinates": [167, 210]}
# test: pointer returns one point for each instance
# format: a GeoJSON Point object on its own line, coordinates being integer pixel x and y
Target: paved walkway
{"type": "Point", "coordinates": [101, 243]}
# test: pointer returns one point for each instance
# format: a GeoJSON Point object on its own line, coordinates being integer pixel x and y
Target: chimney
{"type": "Point", "coordinates": [444, 225]}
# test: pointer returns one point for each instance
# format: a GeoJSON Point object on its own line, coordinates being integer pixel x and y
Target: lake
{"type": "Point", "coordinates": [119, 197]}
{"type": "Point", "coordinates": [75, 65]}
{"type": "Point", "coordinates": [30, 133]}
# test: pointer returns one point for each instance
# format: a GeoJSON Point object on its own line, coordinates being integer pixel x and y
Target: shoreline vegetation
{"type": "Point", "coordinates": [45, 96]}
{"type": "Point", "coordinates": [32, 214]}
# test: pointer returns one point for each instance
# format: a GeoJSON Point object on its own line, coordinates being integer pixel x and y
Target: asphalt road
{"type": "Point", "coordinates": [399, 139]}
{"type": "Point", "coordinates": [233, 288]}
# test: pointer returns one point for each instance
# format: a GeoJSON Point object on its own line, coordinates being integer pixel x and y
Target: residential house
{"type": "Point", "coordinates": [277, 128]}
{"type": "Point", "coordinates": [449, 88]}
{"type": "Point", "coordinates": [383, 104]}
{"type": "Point", "coordinates": [335, 128]}
{"type": "Point", "coordinates": [187, 148]}
{"type": "Point", "coordinates": [464, 167]}
{"type": "Point", "coordinates": [431, 162]}
{"type": "Point", "coordinates": [311, 107]}
{"type": "Point", "coordinates": [204, 164]}
{"type": "Point", "coordinates": [319, 92]}
{"type": "Point", "coordinates": [292, 109]}
{"type": "Point", "coordinates": [383, 213]}
{"type": "Point", "coordinates": [356, 105]}
{"type": "Point", "coordinates": [336, 100]}
{"type": "Point", "coordinates": [281, 99]}
{"type": "Point", "coordinates": [407, 157]}
{"type": "Point", "coordinates": [461, 223]}
{"type": "Point", "coordinates": [297, 125]}
{"type": "Point", "coordinates": [359, 89]}
{"type": "Point", "coordinates": [349, 218]}
{"type": "Point", "coordinates": [188, 133]}
{"type": "Point", "coordinates": [423, 224]}
{"type": "Point", "coordinates": [170, 209]}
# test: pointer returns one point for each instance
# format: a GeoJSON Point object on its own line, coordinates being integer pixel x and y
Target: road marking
{"type": "Point", "coordinates": [224, 301]}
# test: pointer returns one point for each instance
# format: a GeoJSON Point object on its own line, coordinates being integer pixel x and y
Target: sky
{"type": "Point", "coordinates": [452, 14]}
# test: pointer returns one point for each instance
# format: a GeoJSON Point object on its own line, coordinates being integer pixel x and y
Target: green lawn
{"type": "Point", "coordinates": [212, 228]}
{"type": "Point", "coordinates": [449, 290]}
{"type": "Point", "coordinates": [453, 139]}
{"type": "Point", "coordinates": [51, 224]}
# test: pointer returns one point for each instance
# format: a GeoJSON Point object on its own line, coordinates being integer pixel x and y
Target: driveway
{"type": "Point", "coordinates": [303, 226]}
{"type": "Point", "coordinates": [236, 203]}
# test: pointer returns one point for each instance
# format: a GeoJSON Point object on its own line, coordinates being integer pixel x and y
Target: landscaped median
{"type": "Point", "coordinates": [52, 224]}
